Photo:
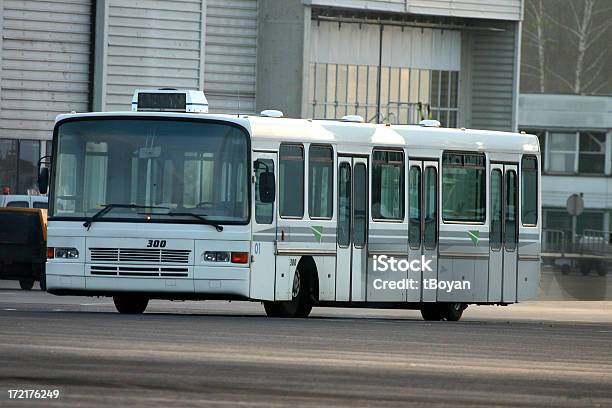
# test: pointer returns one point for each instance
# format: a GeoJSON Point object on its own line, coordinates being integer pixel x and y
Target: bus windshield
{"type": "Point", "coordinates": [185, 169]}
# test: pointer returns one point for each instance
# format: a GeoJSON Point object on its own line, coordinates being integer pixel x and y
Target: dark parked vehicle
{"type": "Point", "coordinates": [23, 247]}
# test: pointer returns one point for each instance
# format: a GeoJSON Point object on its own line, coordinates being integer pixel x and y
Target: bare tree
{"type": "Point", "coordinates": [585, 32]}
{"type": "Point", "coordinates": [535, 11]}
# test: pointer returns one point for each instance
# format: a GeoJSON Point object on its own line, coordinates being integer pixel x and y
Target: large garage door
{"type": "Point", "coordinates": [409, 75]}
{"type": "Point", "coordinates": [45, 64]}
{"type": "Point", "coordinates": [151, 44]}
{"type": "Point", "coordinates": [231, 46]}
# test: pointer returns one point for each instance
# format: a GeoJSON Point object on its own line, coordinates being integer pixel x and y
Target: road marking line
{"type": "Point", "coordinates": [10, 310]}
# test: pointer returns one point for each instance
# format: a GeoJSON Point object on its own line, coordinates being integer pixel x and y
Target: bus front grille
{"type": "Point", "coordinates": [129, 255]}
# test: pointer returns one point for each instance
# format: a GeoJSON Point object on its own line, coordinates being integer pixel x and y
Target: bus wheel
{"type": "Point", "coordinates": [300, 304]}
{"type": "Point", "coordinates": [431, 312]}
{"type": "Point", "coordinates": [26, 284]}
{"type": "Point", "coordinates": [130, 304]}
{"type": "Point", "coordinates": [565, 269]}
{"type": "Point", "coordinates": [43, 283]}
{"type": "Point", "coordinates": [453, 311]}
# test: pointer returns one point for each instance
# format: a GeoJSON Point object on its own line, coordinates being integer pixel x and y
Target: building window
{"type": "Point", "coordinates": [407, 95]}
{"type": "Point", "coordinates": [463, 187]}
{"type": "Point", "coordinates": [388, 185]}
{"type": "Point", "coordinates": [444, 97]}
{"type": "Point", "coordinates": [592, 155]}
{"type": "Point", "coordinates": [291, 181]}
{"type": "Point", "coordinates": [320, 181]}
{"type": "Point", "coordinates": [19, 166]}
{"type": "Point", "coordinates": [562, 149]}
{"type": "Point", "coordinates": [572, 152]}
{"type": "Point", "coordinates": [9, 154]}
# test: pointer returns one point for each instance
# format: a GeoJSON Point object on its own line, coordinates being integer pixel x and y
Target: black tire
{"type": "Point", "coordinates": [565, 269]}
{"type": "Point", "coordinates": [602, 271]}
{"type": "Point", "coordinates": [299, 306]}
{"type": "Point", "coordinates": [431, 312]}
{"type": "Point", "coordinates": [585, 268]}
{"type": "Point", "coordinates": [43, 283]}
{"type": "Point", "coordinates": [452, 312]}
{"type": "Point", "coordinates": [130, 304]}
{"type": "Point", "coordinates": [26, 284]}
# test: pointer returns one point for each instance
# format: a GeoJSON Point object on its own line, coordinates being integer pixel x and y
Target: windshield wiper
{"type": "Point", "coordinates": [200, 217]}
{"type": "Point", "coordinates": [107, 207]}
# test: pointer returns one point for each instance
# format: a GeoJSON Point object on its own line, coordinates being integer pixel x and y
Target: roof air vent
{"type": "Point", "coordinates": [352, 118]}
{"type": "Point", "coordinates": [271, 113]}
{"type": "Point", "coordinates": [430, 123]}
{"type": "Point", "coordinates": [169, 100]}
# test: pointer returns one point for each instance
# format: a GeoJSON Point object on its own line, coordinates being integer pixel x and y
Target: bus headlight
{"type": "Point", "coordinates": [66, 253]}
{"type": "Point", "coordinates": [216, 256]}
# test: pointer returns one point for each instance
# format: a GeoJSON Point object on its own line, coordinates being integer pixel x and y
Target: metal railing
{"type": "Point", "coordinates": [589, 243]}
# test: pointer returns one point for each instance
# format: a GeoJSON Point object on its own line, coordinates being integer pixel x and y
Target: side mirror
{"type": "Point", "coordinates": [43, 180]}
{"type": "Point", "coordinates": [267, 187]}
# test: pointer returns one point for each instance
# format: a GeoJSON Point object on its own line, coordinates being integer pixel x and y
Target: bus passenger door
{"type": "Point", "coordinates": [360, 230]}
{"type": "Point", "coordinates": [351, 258]}
{"type": "Point", "coordinates": [415, 227]}
{"type": "Point", "coordinates": [496, 254]}
{"type": "Point", "coordinates": [423, 227]}
{"type": "Point", "coordinates": [263, 221]}
{"type": "Point", "coordinates": [344, 230]}
{"type": "Point", "coordinates": [503, 233]}
{"type": "Point", "coordinates": [510, 233]}
{"type": "Point", "coordinates": [430, 227]}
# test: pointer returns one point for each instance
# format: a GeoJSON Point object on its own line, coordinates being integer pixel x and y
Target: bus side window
{"type": "Point", "coordinates": [264, 212]}
{"type": "Point", "coordinates": [291, 183]}
{"type": "Point", "coordinates": [414, 210]}
{"type": "Point", "coordinates": [496, 209]}
{"type": "Point", "coordinates": [529, 191]}
{"type": "Point", "coordinates": [463, 187]}
{"type": "Point", "coordinates": [511, 211]}
{"type": "Point", "coordinates": [320, 182]}
{"type": "Point", "coordinates": [388, 185]}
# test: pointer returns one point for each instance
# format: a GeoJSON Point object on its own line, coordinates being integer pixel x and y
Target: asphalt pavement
{"type": "Point", "coordinates": [229, 354]}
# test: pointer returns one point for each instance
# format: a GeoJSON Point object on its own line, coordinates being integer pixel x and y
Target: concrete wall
{"type": "Point", "coordinates": [282, 50]}
{"type": "Point", "coordinates": [565, 111]}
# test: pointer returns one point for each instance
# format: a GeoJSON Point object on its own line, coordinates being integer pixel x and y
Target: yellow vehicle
{"type": "Point", "coordinates": [23, 245]}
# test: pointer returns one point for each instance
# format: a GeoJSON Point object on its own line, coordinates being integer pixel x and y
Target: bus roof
{"type": "Point", "coordinates": [350, 133]}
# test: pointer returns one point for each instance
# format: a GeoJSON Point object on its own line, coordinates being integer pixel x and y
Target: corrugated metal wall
{"type": "Point", "coordinates": [498, 9]}
{"type": "Point", "coordinates": [231, 55]}
{"type": "Point", "coordinates": [493, 63]}
{"type": "Point", "coordinates": [151, 44]}
{"type": "Point", "coordinates": [45, 64]}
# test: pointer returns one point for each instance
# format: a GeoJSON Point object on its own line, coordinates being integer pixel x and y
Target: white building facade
{"type": "Point", "coordinates": [575, 135]}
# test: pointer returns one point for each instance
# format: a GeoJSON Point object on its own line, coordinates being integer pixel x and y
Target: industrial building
{"type": "Point", "coordinates": [387, 60]}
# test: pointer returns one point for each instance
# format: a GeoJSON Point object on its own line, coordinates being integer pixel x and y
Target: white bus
{"type": "Point", "coordinates": [293, 213]}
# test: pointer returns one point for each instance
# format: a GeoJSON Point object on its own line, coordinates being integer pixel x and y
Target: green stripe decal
{"type": "Point", "coordinates": [317, 231]}
{"type": "Point", "coordinates": [474, 236]}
